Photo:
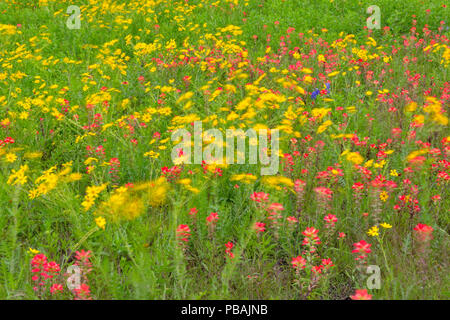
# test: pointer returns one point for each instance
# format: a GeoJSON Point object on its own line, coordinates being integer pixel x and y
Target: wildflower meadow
{"type": "Point", "coordinates": [224, 149]}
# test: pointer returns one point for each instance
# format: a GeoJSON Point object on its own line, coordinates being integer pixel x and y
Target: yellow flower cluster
{"type": "Point", "coordinates": [245, 178]}
{"type": "Point", "coordinates": [277, 182]}
{"type": "Point", "coordinates": [50, 178]}
{"type": "Point", "coordinates": [18, 177]}
{"type": "Point", "coordinates": [375, 231]}
{"type": "Point", "coordinates": [121, 204]}
{"type": "Point", "coordinates": [129, 203]}
{"type": "Point", "coordinates": [432, 108]}
{"type": "Point", "coordinates": [353, 157]}
{"type": "Point", "coordinates": [92, 193]}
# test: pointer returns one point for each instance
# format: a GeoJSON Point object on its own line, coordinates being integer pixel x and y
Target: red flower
{"type": "Point", "coordinates": [362, 247]}
{"type": "Point", "coordinates": [327, 263]}
{"type": "Point", "coordinates": [55, 288]}
{"type": "Point", "coordinates": [423, 232]}
{"type": "Point", "coordinates": [299, 185]}
{"type": "Point", "coordinates": [51, 267]}
{"type": "Point", "coordinates": [310, 232]}
{"type": "Point", "coordinates": [358, 186]}
{"type": "Point", "coordinates": [229, 246]}
{"type": "Point", "coordinates": [311, 238]}
{"type": "Point", "coordinates": [259, 197]}
{"type": "Point", "coordinates": [193, 212]}
{"type": "Point", "coordinates": [361, 294]}
{"type": "Point", "coordinates": [436, 198]}
{"type": "Point", "coordinates": [330, 219]}
{"type": "Point", "coordinates": [324, 191]}
{"type": "Point", "coordinates": [292, 219]}
{"type": "Point", "coordinates": [298, 262]}
{"type": "Point", "coordinates": [275, 207]}
{"type": "Point", "coordinates": [317, 269]}
{"type": "Point", "coordinates": [83, 255]}
{"type": "Point", "coordinates": [183, 232]}
{"type": "Point", "coordinates": [39, 259]}
{"type": "Point", "coordinates": [212, 218]}
{"type": "Point", "coordinates": [259, 227]}
{"type": "Point", "coordinates": [83, 292]}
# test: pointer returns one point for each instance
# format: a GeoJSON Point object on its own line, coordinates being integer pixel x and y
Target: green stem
{"type": "Point", "coordinates": [79, 243]}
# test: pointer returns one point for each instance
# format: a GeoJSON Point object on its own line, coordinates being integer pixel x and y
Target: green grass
{"type": "Point", "coordinates": [139, 258]}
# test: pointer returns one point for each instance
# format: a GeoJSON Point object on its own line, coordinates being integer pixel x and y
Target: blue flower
{"type": "Point", "coordinates": [315, 93]}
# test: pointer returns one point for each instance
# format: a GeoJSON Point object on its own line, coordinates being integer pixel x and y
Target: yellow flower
{"type": "Point", "coordinates": [10, 157]}
{"type": "Point", "coordinates": [416, 153]}
{"type": "Point", "coordinates": [100, 222]}
{"type": "Point", "coordinates": [192, 189]}
{"type": "Point", "coordinates": [373, 232]}
{"type": "Point", "coordinates": [121, 205]}
{"type": "Point", "coordinates": [419, 119]}
{"type": "Point", "coordinates": [411, 107]}
{"type": "Point", "coordinates": [152, 154]}
{"type": "Point", "coordinates": [394, 173]}
{"type": "Point", "coordinates": [89, 160]}
{"type": "Point", "coordinates": [185, 181]}
{"type": "Point", "coordinates": [351, 109]}
{"type": "Point", "coordinates": [354, 157]}
{"type": "Point", "coordinates": [440, 119]}
{"type": "Point", "coordinates": [385, 225]}
{"type": "Point", "coordinates": [334, 73]}
{"type": "Point", "coordinates": [368, 163]}
{"type": "Point", "coordinates": [33, 251]}
{"type": "Point", "coordinates": [320, 112]}
{"type": "Point", "coordinates": [32, 155]}
{"type": "Point", "coordinates": [380, 164]}
{"type": "Point", "coordinates": [155, 192]}
{"type": "Point", "coordinates": [18, 177]}
{"type": "Point", "coordinates": [33, 193]}
{"type": "Point", "coordinates": [244, 177]}
{"type": "Point", "coordinates": [384, 196]}
{"type": "Point", "coordinates": [75, 176]}
{"type": "Point", "coordinates": [324, 126]}
{"type": "Point", "coordinates": [92, 193]}
{"type": "Point", "coordinates": [146, 117]}
{"type": "Point", "coordinates": [277, 182]}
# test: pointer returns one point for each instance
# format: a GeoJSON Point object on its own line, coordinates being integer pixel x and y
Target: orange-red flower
{"type": "Point", "coordinates": [298, 262]}
{"type": "Point", "coordinates": [423, 232]}
{"type": "Point", "coordinates": [362, 248]}
{"type": "Point", "coordinates": [361, 294]}
{"type": "Point", "coordinates": [229, 245]}
{"type": "Point", "coordinates": [259, 197]}
{"type": "Point", "coordinates": [275, 207]}
{"type": "Point", "coordinates": [183, 232]}
{"type": "Point", "coordinates": [212, 218]}
{"type": "Point", "coordinates": [310, 232]}
{"type": "Point", "coordinates": [259, 227]}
